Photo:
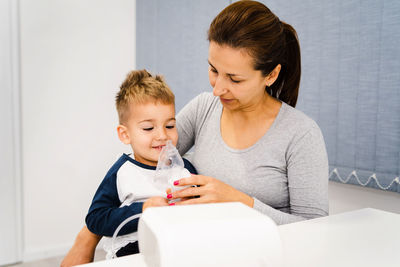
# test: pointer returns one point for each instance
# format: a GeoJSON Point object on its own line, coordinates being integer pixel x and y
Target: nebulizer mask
{"type": "Point", "coordinates": [170, 167]}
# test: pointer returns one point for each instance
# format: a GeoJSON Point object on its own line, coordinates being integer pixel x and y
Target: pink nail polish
{"type": "Point", "coordinates": [171, 204]}
{"type": "Point", "coordinates": [176, 182]}
{"type": "Point", "coordinates": [169, 196]}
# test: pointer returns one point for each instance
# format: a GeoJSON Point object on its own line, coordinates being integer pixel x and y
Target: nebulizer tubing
{"type": "Point", "coordinates": [133, 217]}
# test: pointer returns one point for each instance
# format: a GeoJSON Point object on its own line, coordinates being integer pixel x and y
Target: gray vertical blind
{"type": "Point", "coordinates": [171, 39]}
{"type": "Point", "coordinates": [350, 72]}
{"type": "Point", "coordinates": [351, 84]}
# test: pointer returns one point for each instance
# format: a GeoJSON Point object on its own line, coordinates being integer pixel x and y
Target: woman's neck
{"type": "Point", "coordinates": [265, 107]}
{"type": "Point", "coordinates": [241, 129]}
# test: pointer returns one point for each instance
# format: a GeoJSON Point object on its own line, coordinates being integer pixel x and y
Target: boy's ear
{"type": "Point", "coordinates": [123, 134]}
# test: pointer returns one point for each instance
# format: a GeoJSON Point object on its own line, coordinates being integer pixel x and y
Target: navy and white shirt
{"type": "Point", "coordinates": [121, 194]}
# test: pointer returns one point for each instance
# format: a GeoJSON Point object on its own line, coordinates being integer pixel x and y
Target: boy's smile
{"type": "Point", "coordinates": [147, 130]}
{"type": "Point", "coordinates": [158, 147]}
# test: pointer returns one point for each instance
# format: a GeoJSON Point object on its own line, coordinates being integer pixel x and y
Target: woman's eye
{"type": "Point", "coordinates": [214, 70]}
{"type": "Point", "coordinates": [235, 81]}
{"type": "Point", "coordinates": [148, 129]}
{"type": "Point", "coordinates": [170, 127]}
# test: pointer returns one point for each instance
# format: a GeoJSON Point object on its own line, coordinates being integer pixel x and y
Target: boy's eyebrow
{"type": "Point", "coordinates": [151, 120]}
{"type": "Point", "coordinates": [229, 74]}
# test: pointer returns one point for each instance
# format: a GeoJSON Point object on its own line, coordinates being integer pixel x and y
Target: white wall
{"type": "Point", "coordinates": [74, 56]}
{"type": "Point", "coordinates": [10, 179]}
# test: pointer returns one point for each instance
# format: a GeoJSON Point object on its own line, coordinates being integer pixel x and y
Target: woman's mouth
{"type": "Point", "coordinates": [226, 101]}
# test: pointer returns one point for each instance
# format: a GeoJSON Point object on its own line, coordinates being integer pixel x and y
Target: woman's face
{"type": "Point", "coordinates": [233, 77]}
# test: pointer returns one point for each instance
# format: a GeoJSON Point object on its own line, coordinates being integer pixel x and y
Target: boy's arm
{"type": "Point", "coordinates": [105, 213]}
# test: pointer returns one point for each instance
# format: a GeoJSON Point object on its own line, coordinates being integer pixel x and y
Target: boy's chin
{"type": "Point", "coordinates": [152, 162]}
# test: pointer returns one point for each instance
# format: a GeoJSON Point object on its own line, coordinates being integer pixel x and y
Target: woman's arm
{"type": "Point", "coordinates": [186, 129]}
{"type": "Point", "coordinates": [307, 171]}
{"type": "Point", "coordinates": [85, 243]}
{"type": "Point", "coordinates": [308, 176]}
{"type": "Point", "coordinates": [83, 249]}
{"type": "Point", "coordinates": [190, 120]}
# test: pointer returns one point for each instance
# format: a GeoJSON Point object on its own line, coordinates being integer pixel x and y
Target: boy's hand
{"type": "Point", "coordinates": [155, 202]}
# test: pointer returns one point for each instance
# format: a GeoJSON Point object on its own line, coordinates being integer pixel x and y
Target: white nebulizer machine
{"type": "Point", "coordinates": [213, 235]}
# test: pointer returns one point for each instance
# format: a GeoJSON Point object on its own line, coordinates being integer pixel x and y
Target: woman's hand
{"type": "Point", "coordinates": [83, 249]}
{"type": "Point", "coordinates": [210, 190]}
{"type": "Point", "coordinates": [155, 202]}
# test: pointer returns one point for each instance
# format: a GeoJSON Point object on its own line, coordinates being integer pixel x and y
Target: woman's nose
{"type": "Point", "coordinates": [220, 87]}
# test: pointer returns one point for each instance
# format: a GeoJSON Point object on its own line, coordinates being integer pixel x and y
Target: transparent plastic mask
{"type": "Point", "coordinates": [170, 167]}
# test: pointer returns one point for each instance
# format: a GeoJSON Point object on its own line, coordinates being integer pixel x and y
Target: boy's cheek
{"type": "Point", "coordinates": [174, 138]}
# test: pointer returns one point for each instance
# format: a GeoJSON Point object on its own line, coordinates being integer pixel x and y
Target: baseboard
{"type": "Point", "coordinates": [50, 252]}
{"type": "Point", "coordinates": [45, 252]}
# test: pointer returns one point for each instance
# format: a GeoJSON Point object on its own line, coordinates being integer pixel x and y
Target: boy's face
{"type": "Point", "coordinates": [147, 130]}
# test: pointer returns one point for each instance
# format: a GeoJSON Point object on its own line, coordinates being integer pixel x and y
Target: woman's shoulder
{"type": "Point", "coordinates": [296, 121]}
{"type": "Point", "coordinates": [302, 134]}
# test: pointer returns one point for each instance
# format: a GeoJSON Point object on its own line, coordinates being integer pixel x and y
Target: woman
{"type": "Point", "coordinates": [251, 145]}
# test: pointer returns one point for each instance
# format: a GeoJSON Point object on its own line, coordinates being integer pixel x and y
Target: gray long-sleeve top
{"type": "Point", "coordinates": [285, 171]}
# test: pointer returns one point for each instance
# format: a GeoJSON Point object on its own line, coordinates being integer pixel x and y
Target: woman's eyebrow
{"type": "Point", "coordinates": [210, 63]}
{"type": "Point", "coordinates": [229, 74]}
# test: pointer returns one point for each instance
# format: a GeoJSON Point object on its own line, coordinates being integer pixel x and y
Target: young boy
{"type": "Point", "coordinates": [146, 110]}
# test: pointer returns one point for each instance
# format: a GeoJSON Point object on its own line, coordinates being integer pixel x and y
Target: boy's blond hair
{"type": "Point", "coordinates": [141, 87]}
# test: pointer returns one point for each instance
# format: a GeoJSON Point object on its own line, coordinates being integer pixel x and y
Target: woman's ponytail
{"type": "Point", "coordinates": [287, 85]}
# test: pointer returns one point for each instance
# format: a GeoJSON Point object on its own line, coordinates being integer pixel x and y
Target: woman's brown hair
{"type": "Point", "coordinates": [252, 26]}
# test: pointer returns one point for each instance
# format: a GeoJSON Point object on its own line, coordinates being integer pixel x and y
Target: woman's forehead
{"type": "Point", "coordinates": [229, 59]}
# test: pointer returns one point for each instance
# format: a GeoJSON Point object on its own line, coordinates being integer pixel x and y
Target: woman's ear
{"type": "Point", "coordinates": [273, 75]}
{"type": "Point", "coordinates": [123, 134]}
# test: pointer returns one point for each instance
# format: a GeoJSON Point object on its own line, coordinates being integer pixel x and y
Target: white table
{"type": "Point", "coordinates": [366, 237]}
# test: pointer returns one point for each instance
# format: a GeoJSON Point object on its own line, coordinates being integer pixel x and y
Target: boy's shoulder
{"type": "Point", "coordinates": [117, 165]}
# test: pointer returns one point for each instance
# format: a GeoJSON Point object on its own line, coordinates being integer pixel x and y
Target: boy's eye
{"type": "Point", "coordinates": [148, 129]}
{"type": "Point", "coordinates": [170, 126]}
{"type": "Point", "coordinates": [214, 70]}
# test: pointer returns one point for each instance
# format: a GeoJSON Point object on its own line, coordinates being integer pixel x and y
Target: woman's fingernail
{"type": "Point", "coordinates": [171, 204]}
{"type": "Point", "coordinates": [169, 196]}
{"type": "Point", "coordinates": [176, 182]}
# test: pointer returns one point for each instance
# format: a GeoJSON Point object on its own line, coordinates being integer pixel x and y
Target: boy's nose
{"type": "Point", "coordinates": [162, 135]}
